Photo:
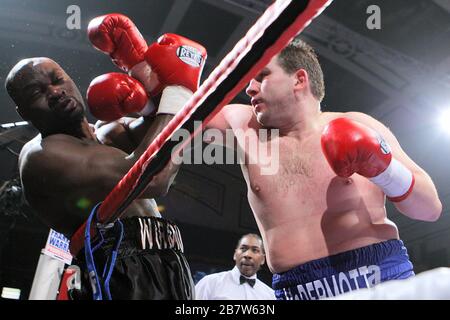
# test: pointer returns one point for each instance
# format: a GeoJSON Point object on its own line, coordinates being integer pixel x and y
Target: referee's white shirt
{"type": "Point", "coordinates": [226, 286]}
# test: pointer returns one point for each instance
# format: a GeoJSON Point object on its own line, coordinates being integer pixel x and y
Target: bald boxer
{"type": "Point", "coordinates": [322, 216]}
{"type": "Point", "coordinates": [70, 167]}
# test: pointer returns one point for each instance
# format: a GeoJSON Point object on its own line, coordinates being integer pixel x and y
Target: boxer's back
{"type": "Point", "coordinates": [61, 193]}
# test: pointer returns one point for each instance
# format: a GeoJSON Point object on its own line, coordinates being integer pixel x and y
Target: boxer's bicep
{"type": "Point", "coordinates": [104, 167]}
{"type": "Point", "coordinates": [219, 121]}
{"type": "Point", "coordinates": [221, 129]}
{"type": "Point", "coordinates": [67, 166]}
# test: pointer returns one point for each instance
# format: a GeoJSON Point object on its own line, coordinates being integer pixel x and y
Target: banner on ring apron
{"type": "Point", "coordinates": [57, 247]}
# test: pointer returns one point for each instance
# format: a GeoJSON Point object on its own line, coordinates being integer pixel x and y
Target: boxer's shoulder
{"type": "Point", "coordinates": [362, 117]}
{"type": "Point", "coordinates": [237, 109]}
{"type": "Point", "coordinates": [234, 117]}
{"type": "Point", "coordinates": [61, 143]}
{"type": "Point", "coordinates": [352, 115]}
{"type": "Point", "coordinates": [240, 116]}
{"type": "Point", "coordinates": [33, 143]}
{"type": "Point", "coordinates": [328, 116]}
{"type": "Point", "coordinates": [52, 151]}
{"type": "Point", "coordinates": [373, 123]}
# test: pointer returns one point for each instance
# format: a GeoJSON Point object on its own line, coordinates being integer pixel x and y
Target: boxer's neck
{"type": "Point", "coordinates": [305, 121]}
{"type": "Point", "coordinates": [86, 131]}
{"type": "Point", "coordinates": [83, 131]}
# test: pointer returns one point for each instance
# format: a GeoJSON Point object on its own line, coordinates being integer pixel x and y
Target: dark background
{"type": "Point", "coordinates": [399, 74]}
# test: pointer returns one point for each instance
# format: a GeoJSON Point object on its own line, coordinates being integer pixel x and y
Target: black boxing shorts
{"type": "Point", "coordinates": [150, 263]}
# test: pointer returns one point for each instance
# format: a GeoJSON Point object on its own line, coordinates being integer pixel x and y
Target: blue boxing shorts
{"type": "Point", "coordinates": [347, 271]}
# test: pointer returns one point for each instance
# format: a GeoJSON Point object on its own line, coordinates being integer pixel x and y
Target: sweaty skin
{"type": "Point", "coordinates": [69, 167]}
{"type": "Point", "coordinates": [304, 211]}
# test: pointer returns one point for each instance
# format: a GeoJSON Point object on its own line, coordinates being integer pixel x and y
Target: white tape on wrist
{"type": "Point", "coordinates": [148, 109]}
{"type": "Point", "coordinates": [173, 99]}
{"type": "Point", "coordinates": [143, 73]}
{"type": "Point", "coordinates": [395, 181]}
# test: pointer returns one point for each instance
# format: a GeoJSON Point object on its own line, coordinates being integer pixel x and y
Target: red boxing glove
{"type": "Point", "coordinates": [177, 61]}
{"type": "Point", "coordinates": [177, 64]}
{"type": "Point", "coordinates": [116, 35]}
{"type": "Point", "coordinates": [351, 147]}
{"type": "Point", "coordinates": [114, 95]}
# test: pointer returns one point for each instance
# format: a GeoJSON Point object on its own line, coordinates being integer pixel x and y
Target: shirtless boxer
{"type": "Point", "coordinates": [70, 167]}
{"type": "Point", "coordinates": [322, 216]}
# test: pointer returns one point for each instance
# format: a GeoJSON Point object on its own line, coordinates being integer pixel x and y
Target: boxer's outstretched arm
{"type": "Point", "coordinates": [126, 134]}
{"type": "Point", "coordinates": [161, 182]}
{"type": "Point", "coordinates": [230, 117]}
{"type": "Point", "coordinates": [423, 203]}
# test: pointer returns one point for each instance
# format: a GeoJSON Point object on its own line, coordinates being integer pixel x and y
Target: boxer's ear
{"type": "Point", "coordinates": [301, 79]}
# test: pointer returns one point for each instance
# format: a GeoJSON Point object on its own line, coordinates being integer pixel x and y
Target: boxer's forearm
{"type": "Point", "coordinates": [147, 132]}
{"type": "Point", "coordinates": [423, 203]}
{"type": "Point", "coordinates": [162, 181]}
{"type": "Point", "coordinates": [138, 128]}
{"type": "Point", "coordinates": [160, 184]}
{"type": "Point", "coordinates": [124, 134]}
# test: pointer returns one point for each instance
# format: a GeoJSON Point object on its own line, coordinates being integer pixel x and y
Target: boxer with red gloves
{"type": "Point", "coordinates": [145, 271]}
{"type": "Point", "coordinates": [322, 216]}
{"type": "Point", "coordinates": [70, 167]}
{"type": "Point", "coordinates": [169, 73]}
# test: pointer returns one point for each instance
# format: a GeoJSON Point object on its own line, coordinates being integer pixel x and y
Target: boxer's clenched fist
{"type": "Point", "coordinates": [114, 95]}
{"type": "Point", "coordinates": [116, 35]}
{"type": "Point", "coordinates": [351, 147]}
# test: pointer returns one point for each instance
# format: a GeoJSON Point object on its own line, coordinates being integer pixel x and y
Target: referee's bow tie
{"type": "Point", "coordinates": [243, 279]}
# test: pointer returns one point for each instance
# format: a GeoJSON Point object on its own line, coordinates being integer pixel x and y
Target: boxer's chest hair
{"type": "Point", "coordinates": [296, 167]}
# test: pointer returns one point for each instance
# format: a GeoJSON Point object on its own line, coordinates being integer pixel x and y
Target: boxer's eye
{"type": "Point", "coordinates": [58, 80]}
{"type": "Point", "coordinates": [260, 77]}
{"type": "Point", "coordinates": [34, 93]}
